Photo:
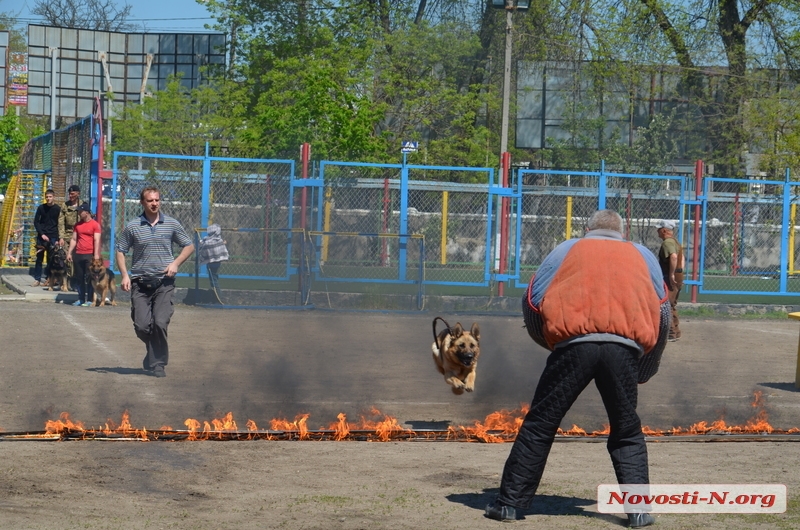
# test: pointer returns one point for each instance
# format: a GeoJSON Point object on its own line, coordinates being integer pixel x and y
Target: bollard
{"type": "Point", "coordinates": [796, 316]}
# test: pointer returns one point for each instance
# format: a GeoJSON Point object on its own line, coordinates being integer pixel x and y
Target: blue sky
{"type": "Point", "coordinates": [157, 16]}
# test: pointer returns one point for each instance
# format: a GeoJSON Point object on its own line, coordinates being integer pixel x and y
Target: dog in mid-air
{"type": "Point", "coordinates": [102, 283]}
{"type": "Point", "coordinates": [56, 267]}
{"type": "Point", "coordinates": [456, 352]}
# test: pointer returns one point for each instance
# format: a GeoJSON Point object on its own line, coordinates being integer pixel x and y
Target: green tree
{"type": "Point", "coordinates": [10, 148]}
{"type": "Point", "coordinates": [179, 121]}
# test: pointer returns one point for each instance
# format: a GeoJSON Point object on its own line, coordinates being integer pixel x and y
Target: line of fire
{"type": "Point", "coordinates": [499, 427]}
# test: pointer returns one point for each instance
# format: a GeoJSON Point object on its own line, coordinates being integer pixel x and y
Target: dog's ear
{"type": "Point", "coordinates": [476, 332]}
{"type": "Point", "coordinates": [457, 331]}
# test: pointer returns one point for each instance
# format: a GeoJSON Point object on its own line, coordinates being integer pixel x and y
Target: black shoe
{"type": "Point", "coordinates": [638, 520]}
{"type": "Point", "coordinates": [158, 371]}
{"type": "Point", "coordinates": [501, 512]}
{"type": "Point", "coordinates": [145, 365]}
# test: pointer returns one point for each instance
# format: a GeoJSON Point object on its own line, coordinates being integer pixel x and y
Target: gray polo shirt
{"type": "Point", "coordinates": [152, 245]}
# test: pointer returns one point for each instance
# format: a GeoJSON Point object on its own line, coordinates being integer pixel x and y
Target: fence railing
{"type": "Point", "coordinates": [409, 229]}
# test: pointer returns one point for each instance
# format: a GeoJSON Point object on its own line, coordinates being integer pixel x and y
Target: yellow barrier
{"type": "Point", "coordinates": [569, 218]}
{"type": "Point", "coordinates": [327, 222]}
{"type": "Point", "coordinates": [7, 221]}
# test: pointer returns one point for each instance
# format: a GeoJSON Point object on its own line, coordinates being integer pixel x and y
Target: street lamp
{"type": "Point", "coordinates": [501, 250]}
{"type": "Point", "coordinates": [510, 6]}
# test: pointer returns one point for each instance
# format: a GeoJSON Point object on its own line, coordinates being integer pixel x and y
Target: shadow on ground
{"type": "Point", "coordinates": [789, 387]}
{"type": "Point", "coordinates": [118, 370]}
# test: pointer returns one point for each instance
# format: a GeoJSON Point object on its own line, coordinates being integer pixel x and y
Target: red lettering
{"type": "Point", "coordinates": [719, 498]}
{"type": "Point", "coordinates": [615, 497]}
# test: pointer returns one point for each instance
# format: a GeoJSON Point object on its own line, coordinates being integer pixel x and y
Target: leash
{"type": "Point", "coordinates": [435, 335]}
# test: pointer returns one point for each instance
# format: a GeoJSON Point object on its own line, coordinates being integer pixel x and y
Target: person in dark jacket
{"type": "Point", "coordinates": [46, 223]}
{"type": "Point", "coordinates": [599, 305]}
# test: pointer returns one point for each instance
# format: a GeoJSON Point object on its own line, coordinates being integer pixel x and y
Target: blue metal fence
{"type": "Point", "coordinates": [365, 222]}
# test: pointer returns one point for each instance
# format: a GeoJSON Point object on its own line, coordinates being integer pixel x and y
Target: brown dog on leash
{"type": "Point", "coordinates": [102, 283]}
{"type": "Point", "coordinates": [57, 268]}
{"type": "Point", "coordinates": [456, 352]}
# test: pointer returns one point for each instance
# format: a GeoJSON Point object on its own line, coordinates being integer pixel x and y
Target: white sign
{"type": "Point", "coordinates": [691, 498]}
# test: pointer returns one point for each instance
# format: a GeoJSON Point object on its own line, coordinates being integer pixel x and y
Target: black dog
{"type": "Point", "coordinates": [57, 267]}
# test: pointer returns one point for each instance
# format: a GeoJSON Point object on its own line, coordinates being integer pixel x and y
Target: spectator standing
{"type": "Point", "coordinates": [151, 281]}
{"type": "Point", "coordinates": [213, 252]}
{"type": "Point", "coordinates": [598, 321]}
{"type": "Point", "coordinates": [67, 220]}
{"type": "Point", "coordinates": [671, 260]}
{"type": "Point", "coordinates": [85, 243]}
{"type": "Point", "coordinates": [46, 223]}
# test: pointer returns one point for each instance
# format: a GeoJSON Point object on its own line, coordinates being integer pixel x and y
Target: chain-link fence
{"type": "Point", "coordinates": [266, 267]}
{"type": "Point", "coordinates": [65, 154]}
{"type": "Point", "coordinates": [554, 206]}
{"type": "Point", "coordinates": [748, 241]}
{"type": "Point", "coordinates": [254, 195]}
{"type": "Point", "coordinates": [451, 208]}
{"type": "Point", "coordinates": [179, 181]}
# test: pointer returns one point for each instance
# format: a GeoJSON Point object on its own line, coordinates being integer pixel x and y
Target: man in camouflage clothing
{"type": "Point", "coordinates": [66, 222]}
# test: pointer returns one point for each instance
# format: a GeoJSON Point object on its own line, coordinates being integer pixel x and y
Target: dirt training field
{"type": "Point", "coordinates": [261, 365]}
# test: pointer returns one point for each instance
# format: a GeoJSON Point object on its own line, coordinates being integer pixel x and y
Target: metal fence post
{"type": "Point", "coordinates": [602, 187]}
{"type": "Point", "coordinates": [787, 201]}
{"type": "Point", "coordinates": [403, 243]}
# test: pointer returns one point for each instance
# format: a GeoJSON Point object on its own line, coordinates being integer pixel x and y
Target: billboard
{"type": "Point", "coordinates": [18, 79]}
{"type": "Point", "coordinates": [87, 63]}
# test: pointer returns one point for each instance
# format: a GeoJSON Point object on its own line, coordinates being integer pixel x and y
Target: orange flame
{"type": "Point", "coordinates": [63, 424]}
{"type": "Point", "coordinates": [497, 427]}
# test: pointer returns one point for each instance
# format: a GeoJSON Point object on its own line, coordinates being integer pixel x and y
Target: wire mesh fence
{"type": "Point", "coordinates": [266, 267]}
{"type": "Point", "coordinates": [451, 208]}
{"type": "Point", "coordinates": [749, 237]}
{"type": "Point", "coordinates": [179, 181]}
{"type": "Point", "coordinates": [387, 266]}
{"type": "Point", "coordinates": [65, 154]}
{"type": "Point", "coordinates": [368, 220]}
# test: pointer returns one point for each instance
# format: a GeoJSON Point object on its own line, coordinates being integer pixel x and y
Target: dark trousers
{"type": "Point", "coordinates": [213, 274]}
{"type": "Point", "coordinates": [83, 282]}
{"type": "Point", "coordinates": [151, 312]}
{"type": "Point", "coordinates": [43, 255]}
{"type": "Point", "coordinates": [674, 291]}
{"type": "Point", "coordinates": [569, 370]}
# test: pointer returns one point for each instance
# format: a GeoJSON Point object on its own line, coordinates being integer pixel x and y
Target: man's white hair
{"type": "Point", "coordinates": [605, 220]}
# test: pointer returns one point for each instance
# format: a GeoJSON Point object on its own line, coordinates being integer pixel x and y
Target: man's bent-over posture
{"type": "Point", "coordinates": [599, 305]}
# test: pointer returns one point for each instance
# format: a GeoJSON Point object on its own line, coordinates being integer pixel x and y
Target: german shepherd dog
{"type": "Point", "coordinates": [102, 283]}
{"type": "Point", "coordinates": [56, 266]}
{"type": "Point", "coordinates": [456, 352]}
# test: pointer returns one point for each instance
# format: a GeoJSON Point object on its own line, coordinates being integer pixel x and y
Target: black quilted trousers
{"type": "Point", "coordinates": [569, 370]}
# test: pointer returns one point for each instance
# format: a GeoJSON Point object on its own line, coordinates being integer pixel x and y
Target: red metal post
{"type": "Point", "coordinates": [699, 169]}
{"type": "Point", "coordinates": [102, 173]}
{"type": "Point", "coordinates": [737, 221]}
{"type": "Point", "coordinates": [505, 165]}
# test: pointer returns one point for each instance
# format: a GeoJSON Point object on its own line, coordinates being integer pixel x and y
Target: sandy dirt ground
{"type": "Point", "coordinates": [261, 365]}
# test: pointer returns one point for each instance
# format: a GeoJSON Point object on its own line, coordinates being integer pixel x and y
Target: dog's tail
{"type": "Point", "coordinates": [436, 335]}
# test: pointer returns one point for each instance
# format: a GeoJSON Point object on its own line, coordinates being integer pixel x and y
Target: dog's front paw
{"type": "Point", "coordinates": [455, 382]}
{"type": "Point", "coordinates": [469, 388]}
